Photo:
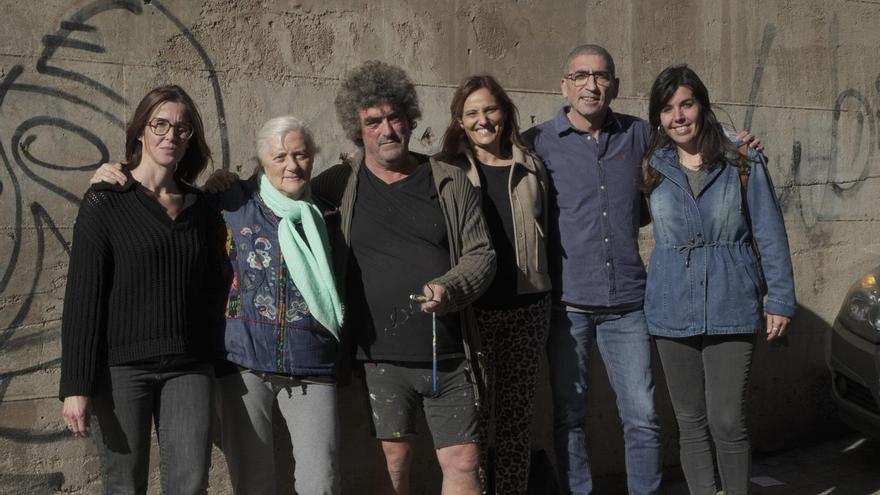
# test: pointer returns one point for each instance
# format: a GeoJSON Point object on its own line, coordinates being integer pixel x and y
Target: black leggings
{"type": "Point", "coordinates": [707, 376]}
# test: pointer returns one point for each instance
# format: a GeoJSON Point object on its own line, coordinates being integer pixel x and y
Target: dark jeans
{"type": "Point", "coordinates": [707, 376]}
{"type": "Point", "coordinates": [177, 394]}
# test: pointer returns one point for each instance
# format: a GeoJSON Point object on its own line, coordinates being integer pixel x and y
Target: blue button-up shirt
{"type": "Point", "coordinates": [595, 209]}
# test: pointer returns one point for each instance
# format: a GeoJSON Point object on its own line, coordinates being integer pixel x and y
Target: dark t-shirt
{"type": "Point", "coordinates": [502, 294]}
{"type": "Point", "coordinates": [399, 242]}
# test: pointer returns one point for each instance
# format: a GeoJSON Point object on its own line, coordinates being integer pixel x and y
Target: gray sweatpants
{"type": "Point", "coordinates": [245, 402]}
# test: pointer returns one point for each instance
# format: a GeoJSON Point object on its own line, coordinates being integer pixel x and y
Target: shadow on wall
{"type": "Point", "coordinates": [33, 484]}
{"type": "Point", "coordinates": [792, 376]}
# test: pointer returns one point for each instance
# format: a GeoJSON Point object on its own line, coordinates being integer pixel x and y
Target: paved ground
{"type": "Point", "coordinates": [848, 465]}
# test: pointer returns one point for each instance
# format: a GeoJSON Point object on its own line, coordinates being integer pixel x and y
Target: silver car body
{"type": "Point", "coordinates": [854, 355]}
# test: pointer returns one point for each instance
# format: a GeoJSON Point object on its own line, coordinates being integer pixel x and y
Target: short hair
{"type": "Point", "coordinates": [371, 84]}
{"type": "Point", "coordinates": [588, 49]}
{"type": "Point", "coordinates": [455, 138]}
{"type": "Point", "coordinates": [279, 127]}
{"type": "Point", "coordinates": [197, 155]}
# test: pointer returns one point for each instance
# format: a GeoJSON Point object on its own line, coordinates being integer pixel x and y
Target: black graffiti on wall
{"type": "Point", "coordinates": [817, 180]}
{"type": "Point", "coordinates": [51, 99]}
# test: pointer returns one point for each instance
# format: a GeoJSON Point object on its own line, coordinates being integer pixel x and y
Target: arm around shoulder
{"type": "Point", "coordinates": [331, 183]}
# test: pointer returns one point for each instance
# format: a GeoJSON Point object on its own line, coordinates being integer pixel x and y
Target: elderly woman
{"type": "Point", "coordinates": [134, 325]}
{"type": "Point", "coordinates": [514, 313]}
{"type": "Point", "coordinates": [714, 209]}
{"type": "Point", "coordinates": [283, 318]}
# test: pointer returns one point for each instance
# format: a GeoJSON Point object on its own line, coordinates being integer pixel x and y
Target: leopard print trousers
{"type": "Point", "coordinates": [513, 341]}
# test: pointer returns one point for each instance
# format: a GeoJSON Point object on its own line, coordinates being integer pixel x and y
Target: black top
{"type": "Point", "coordinates": [139, 284]}
{"type": "Point", "coordinates": [494, 189]}
{"type": "Point", "coordinates": [399, 242]}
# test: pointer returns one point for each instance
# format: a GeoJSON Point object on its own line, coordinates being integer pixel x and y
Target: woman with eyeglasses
{"type": "Point", "coordinates": [708, 292]}
{"type": "Point", "coordinates": [513, 315]}
{"type": "Point", "coordinates": [136, 342]}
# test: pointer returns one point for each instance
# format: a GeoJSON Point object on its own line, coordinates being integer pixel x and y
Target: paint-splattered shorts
{"type": "Point", "coordinates": [397, 391]}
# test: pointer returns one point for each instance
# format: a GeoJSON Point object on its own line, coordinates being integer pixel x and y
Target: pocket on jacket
{"type": "Point", "coordinates": [668, 302]}
{"type": "Point", "coordinates": [753, 271]}
{"type": "Point", "coordinates": [735, 296]}
{"type": "Point", "coordinates": [311, 346]}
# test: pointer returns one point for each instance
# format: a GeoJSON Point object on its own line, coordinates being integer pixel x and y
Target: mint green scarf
{"type": "Point", "coordinates": [306, 259]}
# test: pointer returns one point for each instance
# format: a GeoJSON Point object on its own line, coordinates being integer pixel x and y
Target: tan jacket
{"type": "Point", "coordinates": [529, 196]}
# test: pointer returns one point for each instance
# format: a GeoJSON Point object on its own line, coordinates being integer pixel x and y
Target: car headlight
{"type": "Point", "coordinates": [861, 307]}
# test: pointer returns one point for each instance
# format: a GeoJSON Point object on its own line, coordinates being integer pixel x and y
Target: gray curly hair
{"type": "Point", "coordinates": [373, 83]}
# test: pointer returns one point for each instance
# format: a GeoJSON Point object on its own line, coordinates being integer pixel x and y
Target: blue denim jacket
{"type": "Point", "coordinates": [704, 276]}
{"type": "Point", "coordinates": [268, 325]}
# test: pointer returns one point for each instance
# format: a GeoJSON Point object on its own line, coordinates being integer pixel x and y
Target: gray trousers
{"type": "Point", "coordinates": [245, 405]}
{"type": "Point", "coordinates": [707, 377]}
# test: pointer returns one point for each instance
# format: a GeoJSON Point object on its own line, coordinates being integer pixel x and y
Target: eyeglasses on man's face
{"type": "Point", "coordinates": [160, 127]}
{"type": "Point", "coordinates": [600, 78]}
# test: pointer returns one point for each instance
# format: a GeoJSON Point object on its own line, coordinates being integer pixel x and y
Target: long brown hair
{"type": "Point", "coordinates": [713, 144]}
{"type": "Point", "coordinates": [455, 138]}
{"type": "Point", "coordinates": [197, 155]}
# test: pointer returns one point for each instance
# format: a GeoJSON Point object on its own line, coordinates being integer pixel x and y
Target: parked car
{"type": "Point", "coordinates": [854, 355]}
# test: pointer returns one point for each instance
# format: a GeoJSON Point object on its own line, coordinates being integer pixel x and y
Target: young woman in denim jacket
{"type": "Point", "coordinates": [705, 298]}
{"type": "Point", "coordinates": [514, 313]}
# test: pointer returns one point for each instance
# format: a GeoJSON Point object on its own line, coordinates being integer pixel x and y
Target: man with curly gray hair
{"type": "Point", "coordinates": [372, 84]}
{"type": "Point", "coordinates": [413, 251]}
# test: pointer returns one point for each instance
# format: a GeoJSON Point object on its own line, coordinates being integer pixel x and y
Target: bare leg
{"type": "Point", "coordinates": [460, 465]}
{"type": "Point", "coordinates": [398, 459]}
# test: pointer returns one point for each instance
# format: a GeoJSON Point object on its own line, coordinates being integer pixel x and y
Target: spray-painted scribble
{"type": "Point", "coordinates": [822, 185]}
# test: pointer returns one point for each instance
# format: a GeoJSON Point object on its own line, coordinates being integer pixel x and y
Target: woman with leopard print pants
{"type": "Point", "coordinates": [514, 314]}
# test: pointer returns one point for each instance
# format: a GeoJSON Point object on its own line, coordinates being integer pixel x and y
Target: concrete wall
{"type": "Point", "coordinates": [802, 74]}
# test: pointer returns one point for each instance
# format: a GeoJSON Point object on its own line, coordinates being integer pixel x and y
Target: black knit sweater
{"type": "Point", "coordinates": [139, 285]}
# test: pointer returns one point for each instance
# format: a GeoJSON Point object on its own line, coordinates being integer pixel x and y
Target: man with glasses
{"type": "Point", "coordinates": [409, 229]}
{"type": "Point", "coordinates": [593, 156]}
